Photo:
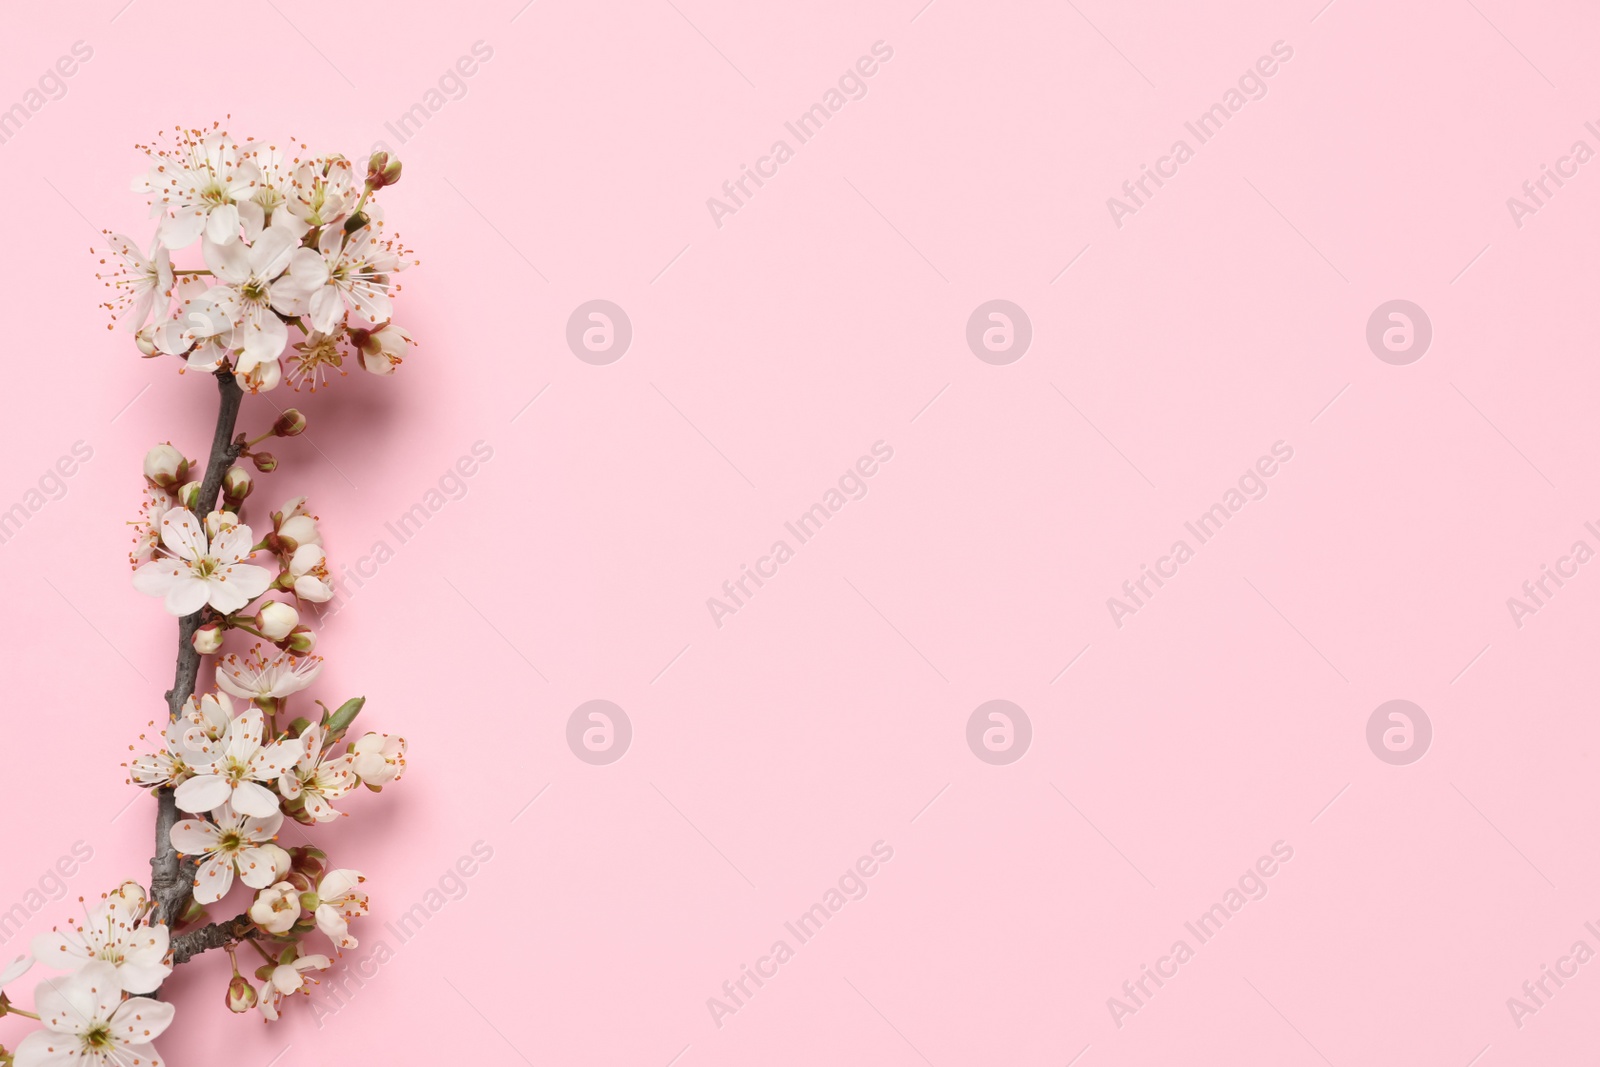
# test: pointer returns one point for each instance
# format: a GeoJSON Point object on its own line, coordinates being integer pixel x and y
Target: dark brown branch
{"type": "Point", "coordinates": [187, 946]}
{"type": "Point", "coordinates": [171, 880]}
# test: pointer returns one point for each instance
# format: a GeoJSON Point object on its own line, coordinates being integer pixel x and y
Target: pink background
{"type": "Point", "coordinates": [768, 754]}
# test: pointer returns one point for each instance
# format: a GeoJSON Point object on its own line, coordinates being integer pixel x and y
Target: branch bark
{"type": "Point", "coordinates": [187, 946]}
{"type": "Point", "coordinates": [172, 880]}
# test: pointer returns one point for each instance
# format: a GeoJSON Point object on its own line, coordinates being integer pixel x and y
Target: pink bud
{"type": "Point", "coordinates": [242, 995]}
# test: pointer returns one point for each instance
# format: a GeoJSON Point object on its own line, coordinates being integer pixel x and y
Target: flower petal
{"type": "Point", "coordinates": [200, 795]}
{"type": "Point", "coordinates": [183, 535]}
{"type": "Point", "coordinates": [214, 879]}
{"type": "Point", "coordinates": [195, 837]}
{"type": "Point", "coordinates": [141, 1020]}
{"type": "Point", "coordinates": [254, 799]}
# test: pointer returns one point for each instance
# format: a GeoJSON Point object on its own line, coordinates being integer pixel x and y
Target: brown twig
{"type": "Point", "coordinates": [187, 946]}
{"type": "Point", "coordinates": [172, 879]}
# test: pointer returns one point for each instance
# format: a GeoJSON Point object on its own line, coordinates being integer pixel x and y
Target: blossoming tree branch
{"type": "Point", "coordinates": [277, 241]}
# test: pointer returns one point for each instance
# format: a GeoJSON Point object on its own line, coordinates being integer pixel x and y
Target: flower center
{"type": "Point", "coordinates": [98, 1037]}
{"type": "Point", "coordinates": [204, 567]}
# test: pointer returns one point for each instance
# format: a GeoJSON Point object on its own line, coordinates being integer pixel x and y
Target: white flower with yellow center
{"type": "Point", "coordinates": [112, 932]}
{"type": "Point", "coordinates": [243, 763]}
{"type": "Point", "coordinates": [257, 678]}
{"type": "Point", "coordinates": [87, 1021]}
{"type": "Point", "coordinates": [231, 844]}
{"type": "Point", "coordinates": [197, 570]}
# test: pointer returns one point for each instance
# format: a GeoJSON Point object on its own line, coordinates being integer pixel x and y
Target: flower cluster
{"type": "Point", "coordinates": [284, 240]}
{"type": "Point", "coordinates": [97, 1013]}
{"type": "Point", "coordinates": [277, 241]}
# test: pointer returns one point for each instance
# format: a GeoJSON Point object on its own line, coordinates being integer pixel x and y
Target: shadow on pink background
{"type": "Point", "coordinates": [1221, 729]}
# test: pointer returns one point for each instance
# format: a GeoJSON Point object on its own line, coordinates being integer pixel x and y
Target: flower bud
{"type": "Point", "coordinates": [146, 340]}
{"type": "Point", "coordinates": [291, 423]}
{"type": "Point", "coordinates": [208, 639]}
{"type": "Point", "coordinates": [265, 462]}
{"type": "Point", "coordinates": [165, 467]}
{"type": "Point", "coordinates": [297, 531]}
{"type": "Point", "coordinates": [189, 496]}
{"type": "Point", "coordinates": [301, 639]}
{"type": "Point", "coordinates": [241, 995]}
{"type": "Point", "coordinates": [309, 861]}
{"type": "Point", "coordinates": [380, 350]}
{"type": "Point", "coordinates": [236, 484]}
{"type": "Point", "coordinates": [276, 908]}
{"type": "Point", "coordinates": [276, 620]}
{"type": "Point", "coordinates": [382, 171]}
{"type": "Point", "coordinates": [219, 520]}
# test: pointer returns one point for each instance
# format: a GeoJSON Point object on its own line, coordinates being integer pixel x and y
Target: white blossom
{"type": "Point", "coordinates": [87, 1021]}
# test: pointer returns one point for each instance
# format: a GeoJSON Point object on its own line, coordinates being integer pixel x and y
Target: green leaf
{"type": "Point", "coordinates": [346, 714]}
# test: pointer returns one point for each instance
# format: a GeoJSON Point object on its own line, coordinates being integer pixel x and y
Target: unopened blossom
{"type": "Point", "coordinates": [294, 526]}
{"type": "Point", "coordinates": [340, 898]}
{"type": "Point", "coordinates": [276, 908]}
{"type": "Point", "coordinates": [378, 758]}
{"type": "Point", "coordinates": [140, 280]}
{"type": "Point", "coordinates": [317, 779]}
{"type": "Point", "coordinates": [309, 569]}
{"type": "Point", "coordinates": [275, 619]}
{"type": "Point", "coordinates": [256, 677]}
{"type": "Point", "coordinates": [197, 570]}
{"type": "Point", "coordinates": [382, 348]}
{"type": "Point", "coordinates": [231, 844]}
{"type": "Point", "coordinates": [207, 640]}
{"type": "Point", "coordinates": [236, 777]}
{"type": "Point", "coordinates": [288, 979]}
{"type": "Point", "coordinates": [241, 996]}
{"type": "Point", "coordinates": [112, 932]}
{"type": "Point", "coordinates": [87, 1021]}
{"type": "Point", "coordinates": [237, 485]}
{"type": "Point", "coordinates": [165, 468]}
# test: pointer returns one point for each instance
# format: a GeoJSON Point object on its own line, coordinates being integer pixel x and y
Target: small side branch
{"type": "Point", "coordinates": [217, 935]}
